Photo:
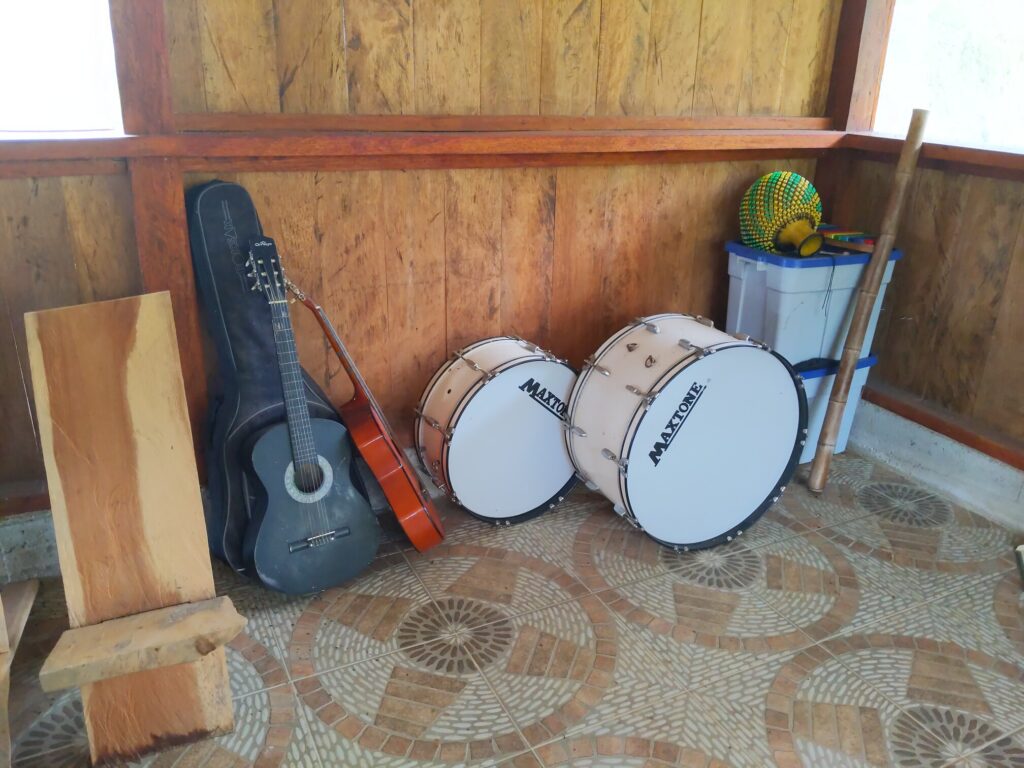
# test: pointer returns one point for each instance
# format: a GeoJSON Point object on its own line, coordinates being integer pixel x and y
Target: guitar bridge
{"type": "Point", "coordinates": [318, 540]}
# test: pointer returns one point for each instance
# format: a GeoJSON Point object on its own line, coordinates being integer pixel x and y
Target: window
{"type": "Point", "coordinates": [57, 59]}
{"type": "Point", "coordinates": [963, 60]}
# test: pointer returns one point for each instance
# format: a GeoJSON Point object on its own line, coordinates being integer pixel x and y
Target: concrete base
{"type": "Point", "coordinates": [978, 482]}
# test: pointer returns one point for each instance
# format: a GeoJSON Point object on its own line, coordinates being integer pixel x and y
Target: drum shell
{"type": "Point", "coordinates": [602, 406]}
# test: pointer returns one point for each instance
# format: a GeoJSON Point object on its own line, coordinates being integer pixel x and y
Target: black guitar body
{"type": "Point", "coordinates": [246, 392]}
{"type": "Point", "coordinates": [305, 542]}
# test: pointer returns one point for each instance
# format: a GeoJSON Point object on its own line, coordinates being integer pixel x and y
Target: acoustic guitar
{"type": "Point", "coordinates": [375, 440]}
{"type": "Point", "coordinates": [313, 530]}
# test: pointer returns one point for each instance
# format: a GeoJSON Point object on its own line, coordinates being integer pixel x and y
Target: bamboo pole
{"type": "Point", "coordinates": [867, 294]}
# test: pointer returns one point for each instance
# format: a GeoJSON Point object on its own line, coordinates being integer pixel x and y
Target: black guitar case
{"type": "Point", "coordinates": [245, 390]}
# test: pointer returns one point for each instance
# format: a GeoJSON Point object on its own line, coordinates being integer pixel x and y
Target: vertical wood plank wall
{"type": "Point", "coordinates": [952, 328]}
{"type": "Point", "coordinates": [62, 241]}
{"type": "Point", "coordinates": [502, 57]}
{"type": "Point", "coordinates": [412, 265]}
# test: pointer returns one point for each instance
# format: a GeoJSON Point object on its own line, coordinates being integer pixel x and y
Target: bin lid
{"type": "Point", "coordinates": [819, 367]}
{"type": "Point", "coordinates": [794, 262]}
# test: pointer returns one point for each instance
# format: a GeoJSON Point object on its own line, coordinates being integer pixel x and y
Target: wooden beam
{"type": "Point", "coordinates": [858, 62]}
{"type": "Point", "coordinates": [15, 605]}
{"type": "Point", "coordinates": [47, 168]}
{"type": "Point", "coordinates": [160, 638]}
{"type": "Point", "coordinates": [339, 144]}
{"type": "Point", "coordinates": [140, 52]}
{"type": "Point", "coordinates": [238, 122]}
{"type": "Point", "coordinates": [980, 161]}
{"type": "Point", "coordinates": [951, 425]}
{"type": "Point", "coordinates": [165, 263]}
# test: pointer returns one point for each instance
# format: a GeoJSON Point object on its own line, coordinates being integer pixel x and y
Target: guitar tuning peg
{"type": "Point", "coordinates": [255, 288]}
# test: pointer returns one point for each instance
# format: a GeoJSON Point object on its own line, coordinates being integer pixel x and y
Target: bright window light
{"type": "Point", "coordinates": [57, 59]}
{"type": "Point", "coordinates": [962, 60]}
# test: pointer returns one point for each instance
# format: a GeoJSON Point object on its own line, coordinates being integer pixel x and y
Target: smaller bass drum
{"type": "Point", "coordinates": [690, 432]}
{"type": "Point", "coordinates": [489, 429]}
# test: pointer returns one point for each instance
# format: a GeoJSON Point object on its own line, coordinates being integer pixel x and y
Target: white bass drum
{"type": "Point", "coordinates": [692, 433]}
{"type": "Point", "coordinates": [489, 429]}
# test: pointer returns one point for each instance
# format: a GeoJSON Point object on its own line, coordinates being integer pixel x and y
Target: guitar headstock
{"type": "Point", "coordinates": [266, 272]}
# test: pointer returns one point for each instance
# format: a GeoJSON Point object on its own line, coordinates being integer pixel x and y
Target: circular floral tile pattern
{"type": "Point", "coordinates": [936, 735]}
{"type": "Point", "coordinates": [463, 629]}
{"type": "Point", "coordinates": [891, 699]}
{"type": "Point", "coordinates": [747, 594]}
{"type": "Point", "coordinates": [623, 752]}
{"type": "Point", "coordinates": [61, 727]}
{"type": "Point", "coordinates": [904, 504]}
{"type": "Point", "coordinates": [429, 700]}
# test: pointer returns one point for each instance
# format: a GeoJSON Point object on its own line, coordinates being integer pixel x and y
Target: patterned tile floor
{"type": "Point", "coordinates": [876, 625]}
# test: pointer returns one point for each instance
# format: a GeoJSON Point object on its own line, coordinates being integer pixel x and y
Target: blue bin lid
{"type": "Point", "coordinates": [795, 262]}
{"type": "Point", "coordinates": [833, 367]}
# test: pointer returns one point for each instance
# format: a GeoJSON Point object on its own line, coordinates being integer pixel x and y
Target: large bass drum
{"type": "Point", "coordinates": [489, 429]}
{"type": "Point", "coordinates": [690, 432]}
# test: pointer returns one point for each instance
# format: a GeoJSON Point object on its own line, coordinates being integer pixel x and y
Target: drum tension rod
{"type": "Point", "coordinates": [473, 365]}
{"type": "Point", "coordinates": [652, 327]}
{"type": "Point", "coordinates": [435, 424]}
{"type": "Point", "coordinates": [704, 321]}
{"type": "Point", "coordinates": [751, 339]}
{"type": "Point", "coordinates": [622, 463]}
{"type": "Point", "coordinates": [578, 431]}
{"type": "Point", "coordinates": [590, 362]}
{"type": "Point", "coordinates": [647, 397]}
{"type": "Point", "coordinates": [701, 351]}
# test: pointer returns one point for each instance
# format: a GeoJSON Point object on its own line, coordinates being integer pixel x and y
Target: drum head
{"type": "Point", "coordinates": [506, 459]}
{"type": "Point", "coordinates": [721, 437]}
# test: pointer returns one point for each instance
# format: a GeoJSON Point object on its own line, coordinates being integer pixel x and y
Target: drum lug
{"type": "Point", "coordinates": [590, 362]}
{"type": "Point", "coordinates": [652, 327]}
{"type": "Point", "coordinates": [701, 351]}
{"type": "Point", "coordinates": [647, 397]}
{"type": "Point", "coordinates": [473, 365]}
{"type": "Point", "coordinates": [572, 430]}
{"type": "Point", "coordinates": [586, 480]}
{"type": "Point", "coordinates": [622, 463]}
{"type": "Point", "coordinates": [446, 434]}
{"type": "Point", "coordinates": [705, 321]}
{"type": "Point", "coordinates": [626, 515]}
{"type": "Point", "coordinates": [527, 344]}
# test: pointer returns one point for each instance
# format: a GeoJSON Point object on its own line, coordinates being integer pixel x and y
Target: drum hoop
{"type": "Point", "coordinates": [460, 408]}
{"type": "Point", "coordinates": [787, 473]}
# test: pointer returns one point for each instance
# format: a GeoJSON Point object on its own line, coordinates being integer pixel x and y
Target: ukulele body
{"type": "Point", "coordinates": [300, 542]}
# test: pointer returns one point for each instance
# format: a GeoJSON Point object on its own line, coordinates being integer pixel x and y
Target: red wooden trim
{"type": "Point", "coordinates": [140, 51]}
{"type": "Point", "coordinates": [239, 122]}
{"type": "Point", "coordinates": [165, 262]}
{"type": "Point", "coordinates": [858, 62]}
{"type": "Point", "coordinates": [980, 161]}
{"type": "Point", "coordinates": [1005, 449]}
{"type": "Point", "coordinates": [41, 168]}
{"type": "Point", "coordinates": [316, 144]}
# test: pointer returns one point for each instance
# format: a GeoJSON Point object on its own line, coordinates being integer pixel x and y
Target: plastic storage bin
{"type": "Point", "coordinates": [818, 386]}
{"type": "Point", "coordinates": [799, 307]}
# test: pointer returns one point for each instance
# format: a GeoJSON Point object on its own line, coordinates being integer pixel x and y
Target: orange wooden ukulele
{"type": "Point", "coordinates": [373, 437]}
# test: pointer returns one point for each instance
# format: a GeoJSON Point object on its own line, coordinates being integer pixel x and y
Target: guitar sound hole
{"type": "Point", "coordinates": [308, 477]}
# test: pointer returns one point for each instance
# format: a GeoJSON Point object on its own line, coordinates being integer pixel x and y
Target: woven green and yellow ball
{"type": "Point", "coordinates": [780, 213]}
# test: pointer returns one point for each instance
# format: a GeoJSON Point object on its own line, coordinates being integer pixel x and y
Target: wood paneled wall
{"type": "Point", "coordinates": [503, 57]}
{"type": "Point", "coordinates": [62, 241]}
{"type": "Point", "coordinates": [412, 265]}
{"type": "Point", "coordinates": [952, 329]}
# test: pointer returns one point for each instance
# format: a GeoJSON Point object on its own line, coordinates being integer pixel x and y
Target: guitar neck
{"type": "Point", "coordinates": [300, 431]}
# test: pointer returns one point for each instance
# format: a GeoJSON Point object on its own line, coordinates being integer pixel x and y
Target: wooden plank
{"type": "Point", "coordinates": [309, 36]}
{"type": "Point", "coordinates": [329, 144]}
{"type": "Point", "coordinates": [350, 227]}
{"type": "Point", "coordinates": [668, 58]}
{"type": "Point", "coordinates": [165, 264]}
{"type": "Point", "coordinates": [185, 57]}
{"type": "Point", "coordinates": [978, 161]}
{"type": "Point", "coordinates": [178, 634]}
{"type": "Point", "coordinates": [622, 62]}
{"type": "Point", "coordinates": [725, 30]}
{"type": "Point", "coordinates": [102, 236]}
{"type": "Point", "coordinates": [569, 45]}
{"type": "Point", "coordinates": [863, 36]}
{"type": "Point", "coordinates": [239, 56]}
{"type": "Point", "coordinates": [379, 56]}
{"type": "Point", "coordinates": [121, 357]}
{"type": "Point", "coordinates": [44, 169]}
{"type": "Point", "coordinates": [672, 59]}
{"type": "Point", "coordinates": [510, 56]}
{"type": "Point", "coordinates": [140, 53]}
{"type": "Point", "coordinates": [810, 47]}
{"type": "Point", "coordinates": [446, 40]}
{"type": "Point", "coordinates": [970, 432]}
{"type": "Point", "coordinates": [764, 58]}
{"type": "Point", "coordinates": [527, 247]}
{"type": "Point", "coordinates": [473, 256]}
{"type": "Point", "coordinates": [15, 604]}
{"type": "Point", "coordinates": [997, 405]}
